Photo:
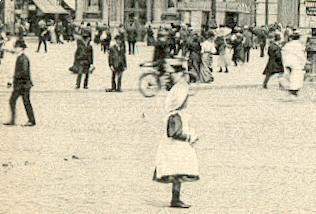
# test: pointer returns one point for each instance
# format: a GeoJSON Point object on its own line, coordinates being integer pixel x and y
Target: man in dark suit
{"type": "Point", "coordinates": [117, 63]}
{"type": "Point", "coordinates": [275, 63]}
{"type": "Point", "coordinates": [22, 85]}
{"type": "Point", "coordinates": [131, 38]}
{"type": "Point", "coordinates": [84, 57]}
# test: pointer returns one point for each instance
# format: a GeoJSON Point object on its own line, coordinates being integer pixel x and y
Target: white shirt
{"type": "Point", "coordinates": [208, 46]}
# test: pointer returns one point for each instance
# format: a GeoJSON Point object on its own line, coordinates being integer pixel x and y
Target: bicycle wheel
{"type": "Point", "coordinates": [149, 84]}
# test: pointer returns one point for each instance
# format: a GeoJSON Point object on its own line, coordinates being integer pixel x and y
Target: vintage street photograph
{"type": "Point", "coordinates": [157, 106]}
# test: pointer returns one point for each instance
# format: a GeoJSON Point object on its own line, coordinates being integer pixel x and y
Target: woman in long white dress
{"type": "Point", "coordinates": [207, 51]}
{"type": "Point", "coordinates": [176, 160]}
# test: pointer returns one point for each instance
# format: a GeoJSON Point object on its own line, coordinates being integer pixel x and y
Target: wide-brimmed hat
{"type": "Point", "coordinates": [20, 43]}
{"type": "Point", "coordinates": [177, 96]}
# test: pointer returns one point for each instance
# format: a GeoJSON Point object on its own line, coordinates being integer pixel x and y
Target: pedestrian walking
{"type": "Point", "coordinates": [150, 36]}
{"type": "Point", "coordinates": [176, 160]}
{"type": "Point", "coordinates": [248, 42]}
{"type": "Point", "coordinates": [22, 84]}
{"type": "Point", "coordinates": [275, 63]}
{"type": "Point", "coordinates": [220, 45]}
{"type": "Point", "coordinates": [84, 57]}
{"type": "Point", "coordinates": [262, 39]}
{"type": "Point", "coordinates": [194, 63]}
{"type": "Point", "coordinates": [294, 61]}
{"type": "Point", "coordinates": [131, 38]}
{"type": "Point", "coordinates": [237, 44]}
{"type": "Point", "coordinates": [42, 36]}
{"type": "Point", "coordinates": [117, 63]}
{"type": "Point", "coordinates": [207, 51]}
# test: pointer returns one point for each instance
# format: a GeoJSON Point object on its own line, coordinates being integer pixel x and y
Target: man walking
{"type": "Point", "coordinates": [42, 33]}
{"type": "Point", "coordinates": [22, 85]}
{"type": "Point", "coordinates": [275, 63]}
{"type": "Point", "coordinates": [262, 40]}
{"type": "Point", "coordinates": [247, 42]}
{"type": "Point", "coordinates": [131, 38]}
{"type": "Point", "coordinates": [117, 63]}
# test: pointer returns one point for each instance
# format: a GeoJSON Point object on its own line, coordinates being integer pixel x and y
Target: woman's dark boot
{"type": "Point", "coordinates": [220, 70]}
{"type": "Point", "coordinates": [176, 202]}
{"type": "Point", "coordinates": [226, 71]}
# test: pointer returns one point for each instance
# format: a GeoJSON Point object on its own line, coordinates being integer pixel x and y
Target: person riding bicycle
{"type": "Point", "coordinates": [163, 59]}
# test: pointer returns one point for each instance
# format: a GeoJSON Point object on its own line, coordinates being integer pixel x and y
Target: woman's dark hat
{"type": "Point", "coordinates": [20, 43]}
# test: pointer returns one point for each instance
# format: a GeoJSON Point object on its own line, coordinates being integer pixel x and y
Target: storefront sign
{"type": "Point", "coordinates": [310, 7]}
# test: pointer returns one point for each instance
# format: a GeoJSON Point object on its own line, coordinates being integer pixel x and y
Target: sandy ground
{"type": "Point", "coordinates": [94, 152]}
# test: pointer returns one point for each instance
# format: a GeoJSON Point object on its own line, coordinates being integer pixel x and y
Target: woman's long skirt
{"type": "Point", "coordinates": [206, 68]}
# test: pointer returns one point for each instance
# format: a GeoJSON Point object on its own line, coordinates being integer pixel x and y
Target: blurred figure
{"type": "Point", "coordinates": [194, 62]}
{"type": "Point", "coordinates": [42, 35]}
{"type": "Point", "coordinates": [248, 42]}
{"type": "Point", "coordinates": [294, 61]}
{"type": "Point", "coordinates": [150, 36]}
{"type": "Point", "coordinates": [131, 38]}
{"type": "Point", "coordinates": [262, 40]}
{"type": "Point", "coordinates": [275, 63]}
{"type": "Point", "coordinates": [207, 51]}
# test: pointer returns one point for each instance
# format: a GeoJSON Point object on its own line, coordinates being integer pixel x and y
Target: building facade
{"type": "Point", "coordinates": [296, 13]}
{"type": "Point", "coordinates": [194, 12]}
{"type": "Point", "coordinates": [116, 12]}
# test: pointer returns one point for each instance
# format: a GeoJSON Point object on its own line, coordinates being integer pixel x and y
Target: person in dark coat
{"type": "Point", "coordinates": [237, 44]}
{"type": "Point", "coordinates": [117, 63]}
{"type": "Point", "coordinates": [195, 60]}
{"type": "Point", "coordinates": [84, 58]}
{"type": "Point", "coordinates": [262, 40]}
{"type": "Point", "coordinates": [161, 51]}
{"type": "Point", "coordinates": [248, 42]}
{"type": "Point", "coordinates": [150, 36]}
{"type": "Point", "coordinates": [275, 63]}
{"type": "Point", "coordinates": [131, 38]}
{"type": "Point", "coordinates": [22, 84]}
{"type": "Point", "coordinates": [42, 36]}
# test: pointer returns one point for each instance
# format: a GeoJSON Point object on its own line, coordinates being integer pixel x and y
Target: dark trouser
{"type": "Point", "coordinates": [247, 53]}
{"type": "Point", "coordinates": [131, 47]}
{"type": "Point", "coordinates": [58, 38]}
{"type": "Point", "coordinates": [25, 93]}
{"type": "Point", "coordinates": [262, 46]}
{"type": "Point", "coordinates": [266, 80]}
{"type": "Point", "coordinates": [40, 41]}
{"type": "Point", "coordinates": [86, 80]}
{"type": "Point", "coordinates": [117, 80]}
{"type": "Point", "coordinates": [176, 189]}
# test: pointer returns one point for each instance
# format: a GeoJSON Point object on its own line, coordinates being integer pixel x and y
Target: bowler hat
{"type": "Point", "coordinates": [20, 43]}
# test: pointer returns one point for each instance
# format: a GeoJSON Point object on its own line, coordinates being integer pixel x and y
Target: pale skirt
{"type": "Point", "coordinates": [176, 160]}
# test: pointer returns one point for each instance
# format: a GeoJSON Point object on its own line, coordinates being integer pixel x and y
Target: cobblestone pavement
{"type": "Point", "coordinates": [94, 152]}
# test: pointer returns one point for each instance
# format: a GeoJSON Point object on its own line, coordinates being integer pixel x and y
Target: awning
{"type": "Point", "coordinates": [71, 4]}
{"type": "Point", "coordinates": [47, 7]}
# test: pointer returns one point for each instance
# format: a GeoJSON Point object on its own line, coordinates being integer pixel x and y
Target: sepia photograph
{"type": "Point", "coordinates": [157, 106]}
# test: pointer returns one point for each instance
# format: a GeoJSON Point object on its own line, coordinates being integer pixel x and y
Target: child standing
{"type": "Point", "coordinates": [176, 160]}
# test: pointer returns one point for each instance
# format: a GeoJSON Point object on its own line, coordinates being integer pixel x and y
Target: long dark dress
{"type": "Point", "coordinates": [150, 37]}
{"type": "Point", "coordinates": [195, 60]}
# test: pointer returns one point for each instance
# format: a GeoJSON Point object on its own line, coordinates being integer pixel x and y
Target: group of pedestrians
{"type": "Point", "coordinates": [54, 32]}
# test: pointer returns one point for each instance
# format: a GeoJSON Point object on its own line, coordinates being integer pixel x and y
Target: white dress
{"type": "Point", "coordinates": [176, 159]}
{"type": "Point", "coordinates": [293, 54]}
